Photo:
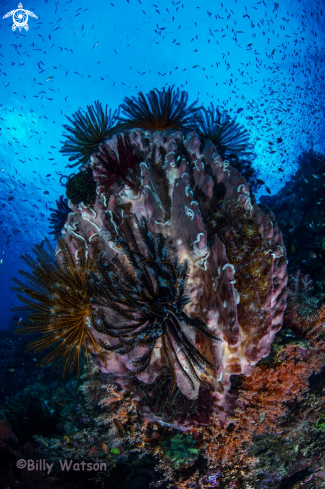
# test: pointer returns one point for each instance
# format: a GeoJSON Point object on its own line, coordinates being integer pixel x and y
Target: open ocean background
{"type": "Point", "coordinates": [262, 61]}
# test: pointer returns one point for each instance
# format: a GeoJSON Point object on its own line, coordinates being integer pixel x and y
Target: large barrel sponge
{"type": "Point", "coordinates": [235, 252]}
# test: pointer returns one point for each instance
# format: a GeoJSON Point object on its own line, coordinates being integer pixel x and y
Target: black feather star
{"type": "Point", "coordinates": [87, 132]}
{"type": "Point", "coordinates": [59, 216]}
{"type": "Point", "coordinates": [226, 134]}
{"type": "Point", "coordinates": [150, 299]}
{"type": "Point", "coordinates": [158, 110]}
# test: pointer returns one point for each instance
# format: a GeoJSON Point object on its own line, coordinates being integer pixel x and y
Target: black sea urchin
{"type": "Point", "coordinates": [150, 298]}
{"type": "Point", "coordinates": [158, 110]}
{"type": "Point", "coordinates": [87, 132]}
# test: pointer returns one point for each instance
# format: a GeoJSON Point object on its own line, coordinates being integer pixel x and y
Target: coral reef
{"type": "Point", "coordinates": [59, 216]}
{"type": "Point", "coordinates": [206, 367]}
{"type": "Point", "coordinates": [185, 258]}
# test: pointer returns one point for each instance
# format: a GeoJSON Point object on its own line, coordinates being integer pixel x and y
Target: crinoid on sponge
{"type": "Point", "coordinates": [160, 401]}
{"type": "Point", "coordinates": [109, 168]}
{"type": "Point", "coordinates": [81, 187]}
{"type": "Point", "coordinates": [58, 301]}
{"type": "Point", "coordinates": [185, 255]}
{"type": "Point", "coordinates": [158, 110]}
{"type": "Point", "coordinates": [227, 135]}
{"type": "Point", "coordinates": [147, 293]}
{"type": "Point", "coordinates": [231, 140]}
{"type": "Point", "coordinates": [59, 215]}
{"type": "Point", "coordinates": [236, 267]}
{"type": "Point", "coordinates": [87, 131]}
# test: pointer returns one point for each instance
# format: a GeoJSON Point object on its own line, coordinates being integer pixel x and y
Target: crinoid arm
{"type": "Point", "coordinates": [87, 131]}
{"type": "Point", "coordinates": [59, 216]}
{"type": "Point", "coordinates": [147, 294]}
{"type": "Point", "coordinates": [229, 137]}
{"type": "Point", "coordinates": [109, 167]}
{"type": "Point", "coordinates": [162, 110]}
{"type": "Point", "coordinates": [58, 302]}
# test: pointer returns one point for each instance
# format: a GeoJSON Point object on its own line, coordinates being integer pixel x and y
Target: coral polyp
{"type": "Point", "coordinates": [58, 303]}
{"type": "Point", "coordinates": [87, 131]}
{"type": "Point", "coordinates": [148, 296]}
{"type": "Point", "coordinates": [108, 168]}
{"type": "Point", "coordinates": [158, 110]}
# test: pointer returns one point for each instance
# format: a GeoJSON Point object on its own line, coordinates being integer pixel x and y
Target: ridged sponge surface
{"type": "Point", "coordinates": [233, 250]}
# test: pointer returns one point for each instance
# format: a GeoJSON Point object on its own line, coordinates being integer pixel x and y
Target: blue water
{"type": "Point", "coordinates": [261, 61]}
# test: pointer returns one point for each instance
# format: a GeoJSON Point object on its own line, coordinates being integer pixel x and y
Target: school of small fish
{"type": "Point", "coordinates": [261, 61]}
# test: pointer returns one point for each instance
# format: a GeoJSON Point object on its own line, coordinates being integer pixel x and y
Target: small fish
{"type": "Point", "coordinates": [315, 176]}
{"type": "Point", "coordinates": [50, 78]}
{"type": "Point", "coordinates": [104, 447]}
{"type": "Point", "coordinates": [11, 370]}
{"type": "Point", "coordinates": [313, 254]}
{"type": "Point", "coordinates": [118, 424]}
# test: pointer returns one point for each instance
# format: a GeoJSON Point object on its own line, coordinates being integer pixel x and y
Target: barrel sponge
{"type": "Point", "coordinates": [201, 208]}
